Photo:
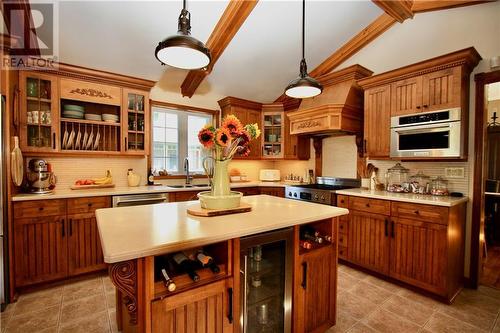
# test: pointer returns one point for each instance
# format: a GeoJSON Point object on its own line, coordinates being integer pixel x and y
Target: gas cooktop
{"type": "Point", "coordinates": [323, 191]}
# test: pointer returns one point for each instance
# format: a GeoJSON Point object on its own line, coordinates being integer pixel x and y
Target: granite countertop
{"type": "Point", "coordinates": [445, 201]}
{"type": "Point", "coordinates": [139, 231]}
{"type": "Point", "coordinates": [64, 193]}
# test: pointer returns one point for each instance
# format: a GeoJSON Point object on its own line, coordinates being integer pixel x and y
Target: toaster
{"type": "Point", "coordinates": [269, 175]}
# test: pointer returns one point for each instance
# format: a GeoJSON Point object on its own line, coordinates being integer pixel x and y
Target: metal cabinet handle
{"type": "Point", "coordinates": [368, 205]}
{"type": "Point", "coordinates": [386, 228]}
{"type": "Point", "coordinates": [417, 212]}
{"type": "Point", "coordinates": [71, 227]}
{"type": "Point", "coordinates": [392, 229]}
{"type": "Point", "coordinates": [418, 107]}
{"type": "Point", "coordinates": [230, 305]}
{"type": "Point", "coordinates": [63, 229]}
{"type": "Point", "coordinates": [304, 275]}
{"type": "Point", "coordinates": [425, 106]}
{"type": "Point", "coordinates": [364, 146]}
{"type": "Point", "coordinates": [245, 291]}
{"type": "Point", "coordinates": [294, 150]}
{"type": "Point", "coordinates": [54, 140]}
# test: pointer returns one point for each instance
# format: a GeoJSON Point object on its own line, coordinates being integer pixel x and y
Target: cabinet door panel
{"type": "Point", "coordinates": [406, 96]}
{"type": "Point", "coordinates": [84, 247]}
{"type": "Point", "coordinates": [368, 241]}
{"type": "Point", "coordinates": [40, 246]}
{"type": "Point", "coordinates": [254, 117]}
{"type": "Point", "coordinates": [441, 89]}
{"type": "Point", "coordinates": [203, 309]}
{"type": "Point", "coordinates": [378, 121]}
{"type": "Point", "coordinates": [418, 251]}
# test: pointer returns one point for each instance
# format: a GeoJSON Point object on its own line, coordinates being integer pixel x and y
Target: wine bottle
{"type": "Point", "coordinates": [327, 238]}
{"type": "Point", "coordinates": [305, 244]}
{"type": "Point", "coordinates": [207, 261]}
{"type": "Point", "coordinates": [309, 233]}
{"type": "Point", "coordinates": [169, 283]}
{"type": "Point", "coordinates": [151, 177]}
{"type": "Point", "coordinates": [186, 265]}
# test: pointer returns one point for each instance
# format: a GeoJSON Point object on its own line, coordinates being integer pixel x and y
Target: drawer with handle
{"type": "Point", "coordinates": [342, 252]}
{"type": "Point", "coordinates": [343, 201]}
{"type": "Point", "coordinates": [36, 208]}
{"type": "Point", "coordinates": [87, 205]}
{"type": "Point", "coordinates": [374, 206]}
{"type": "Point", "coordinates": [427, 213]}
{"type": "Point", "coordinates": [342, 240]}
{"type": "Point", "coordinates": [343, 226]}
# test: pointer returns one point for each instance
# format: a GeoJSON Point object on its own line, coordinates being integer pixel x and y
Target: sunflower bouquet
{"type": "Point", "coordinates": [229, 139]}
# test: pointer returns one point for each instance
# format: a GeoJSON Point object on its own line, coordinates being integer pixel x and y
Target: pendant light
{"type": "Point", "coordinates": [182, 50]}
{"type": "Point", "coordinates": [304, 86]}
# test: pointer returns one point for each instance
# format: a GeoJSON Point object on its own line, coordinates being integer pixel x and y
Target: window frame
{"type": "Point", "coordinates": [183, 108]}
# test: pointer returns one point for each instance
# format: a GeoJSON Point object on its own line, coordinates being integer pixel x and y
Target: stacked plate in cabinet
{"type": "Point", "coordinates": [73, 111]}
{"type": "Point", "coordinates": [95, 117]}
{"type": "Point", "coordinates": [110, 118]}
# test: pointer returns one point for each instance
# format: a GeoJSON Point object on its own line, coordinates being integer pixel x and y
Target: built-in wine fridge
{"type": "Point", "coordinates": [266, 262]}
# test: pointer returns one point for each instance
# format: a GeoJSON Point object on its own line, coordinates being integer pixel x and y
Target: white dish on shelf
{"type": "Point", "coordinates": [65, 139]}
{"type": "Point", "coordinates": [78, 140]}
{"type": "Point", "coordinates": [85, 138]}
{"type": "Point", "coordinates": [89, 141]}
{"type": "Point", "coordinates": [110, 121]}
{"type": "Point", "coordinates": [90, 116]}
{"type": "Point", "coordinates": [97, 138]}
{"type": "Point", "coordinates": [69, 145]}
{"type": "Point", "coordinates": [107, 116]}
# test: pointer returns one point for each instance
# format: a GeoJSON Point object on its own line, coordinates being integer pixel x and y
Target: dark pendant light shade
{"type": "Point", "coordinates": [304, 86]}
{"type": "Point", "coordinates": [182, 50]}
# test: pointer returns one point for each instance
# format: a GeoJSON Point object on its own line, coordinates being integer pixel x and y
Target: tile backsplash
{"type": "Point", "coordinates": [432, 169]}
{"type": "Point", "coordinates": [67, 170]}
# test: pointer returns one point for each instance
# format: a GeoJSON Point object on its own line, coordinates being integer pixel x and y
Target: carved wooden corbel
{"type": "Point", "coordinates": [124, 277]}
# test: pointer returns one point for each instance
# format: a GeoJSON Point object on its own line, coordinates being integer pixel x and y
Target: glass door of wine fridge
{"type": "Point", "coordinates": [266, 282]}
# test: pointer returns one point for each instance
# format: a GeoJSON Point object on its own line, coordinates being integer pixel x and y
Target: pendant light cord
{"type": "Point", "coordinates": [303, 28]}
{"type": "Point", "coordinates": [184, 4]}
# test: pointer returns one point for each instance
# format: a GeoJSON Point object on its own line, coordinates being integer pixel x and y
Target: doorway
{"type": "Point", "coordinates": [485, 241]}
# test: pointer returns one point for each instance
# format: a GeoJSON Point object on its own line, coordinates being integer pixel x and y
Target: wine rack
{"type": "Point", "coordinates": [325, 228]}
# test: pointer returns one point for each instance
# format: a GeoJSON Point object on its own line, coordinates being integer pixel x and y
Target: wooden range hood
{"type": "Point", "coordinates": [338, 110]}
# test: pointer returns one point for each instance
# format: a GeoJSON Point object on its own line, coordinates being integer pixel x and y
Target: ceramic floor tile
{"type": "Point", "coordinates": [361, 328]}
{"type": "Point", "coordinates": [344, 323]}
{"type": "Point", "coordinates": [81, 308]}
{"type": "Point", "coordinates": [36, 321]}
{"type": "Point", "coordinates": [355, 273]}
{"type": "Point", "coordinates": [415, 297]}
{"type": "Point", "coordinates": [412, 311]}
{"type": "Point", "coordinates": [112, 321]}
{"type": "Point", "coordinates": [390, 287]}
{"type": "Point", "coordinates": [111, 300]}
{"type": "Point", "coordinates": [38, 301]}
{"type": "Point", "coordinates": [473, 315]}
{"type": "Point", "coordinates": [370, 292]}
{"type": "Point", "coordinates": [387, 322]}
{"type": "Point", "coordinates": [479, 300]}
{"type": "Point", "coordinates": [355, 306]}
{"type": "Point", "coordinates": [83, 289]}
{"type": "Point", "coordinates": [108, 285]}
{"type": "Point", "coordinates": [441, 323]}
{"type": "Point", "coordinates": [96, 323]}
{"type": "Point", "coordinates": [345, 281]}
{"type": "Point", "coordinates": [496, 329]}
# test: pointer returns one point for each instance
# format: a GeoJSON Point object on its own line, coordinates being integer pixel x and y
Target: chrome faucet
{"type": "Point", "coordinates": [186, 168]}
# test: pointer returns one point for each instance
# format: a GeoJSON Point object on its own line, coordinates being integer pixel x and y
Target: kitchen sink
{"type": "Point", "coordinates": [188, 186]}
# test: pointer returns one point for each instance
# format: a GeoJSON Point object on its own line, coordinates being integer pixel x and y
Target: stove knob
{"type": "Point", "coordinates": [295, 194]}
{"type": "Point", "coordinates": [289, 194]}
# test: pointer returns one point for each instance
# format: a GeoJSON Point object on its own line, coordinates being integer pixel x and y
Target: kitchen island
{"type": "Point", "coordinates": [136, 239]}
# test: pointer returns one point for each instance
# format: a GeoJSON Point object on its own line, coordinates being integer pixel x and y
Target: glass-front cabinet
{"type": "Point", "coordinates": [272, 138]}
{"type": "Point", "coordinates": [266, 282]}
{"type": "Point", "coordinates": [39, 116]}
{"type": "Point", "coordinates": [135, 122]}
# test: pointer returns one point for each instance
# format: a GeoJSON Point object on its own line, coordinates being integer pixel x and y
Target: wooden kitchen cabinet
{"type": "Point", "coordinates": [418, 253]}
{"type": "Point", "coordinates": [377, 122]}
{"type": "Point", "coordinates": [204, 309]}
{"type": "Point", "coordinates": [296, 146]}
{"type": "Point", "coordinates": [247, 112]}
{"type": "Point", "coordinates": [315, 289]}
{"type": "Point", "coordinates": [274, 191]}
{"type": "Point", "coordinates": [55, 239]}
{"type": "Point", "coordinates": [406, 97]}
{"type": "Point", "coordinates": [40, 245]}
{"type": "Point", "coordinates": [135, 121]}
{"type": "Point", "coordinates": [84, 245]}
{"type": "Point", "coordinates": [368, 241]}
{"type": "Point", "coordinates": [183, 196]}
{"type": "Point", "coordinates": [441, 89]}
{"type": "Point", "coordinates": [422, 245]}
{"type": "Point", "coordinates": [39, 114]}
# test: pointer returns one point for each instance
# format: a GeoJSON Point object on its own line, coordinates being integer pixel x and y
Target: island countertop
{"type": "Point", "coordinates": [139, 231]}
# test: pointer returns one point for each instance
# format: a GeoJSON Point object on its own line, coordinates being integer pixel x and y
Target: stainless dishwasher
{"type": "Point", "coordinates": [139, 199]}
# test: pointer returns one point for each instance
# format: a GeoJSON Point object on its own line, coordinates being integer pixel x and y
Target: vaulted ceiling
{"type": "Point", "coordinates": [264, 55]}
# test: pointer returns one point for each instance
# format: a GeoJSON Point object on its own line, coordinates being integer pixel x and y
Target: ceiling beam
{"type": "Point", "coordinates": [400, 10]}
{"type": "Point", "coordinates": [230, 22]}
{"type": "Point", "coordinates": [420, 6]}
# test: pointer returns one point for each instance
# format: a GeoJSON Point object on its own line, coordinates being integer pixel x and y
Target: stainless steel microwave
{"type": "Point", "coordinates": [428, 134]}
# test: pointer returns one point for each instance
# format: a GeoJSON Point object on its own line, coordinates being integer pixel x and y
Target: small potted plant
{"type": "Point", "coordinates": [224, 143]}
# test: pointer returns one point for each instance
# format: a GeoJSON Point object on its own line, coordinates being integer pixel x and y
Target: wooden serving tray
{"type": "Point", "coordinates": [196, 210]}
{"type": "Point", "coordinates": [92, 187]}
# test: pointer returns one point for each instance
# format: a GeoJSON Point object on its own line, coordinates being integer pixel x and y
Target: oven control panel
{"type": "Point", "coordinates": [312, 195]}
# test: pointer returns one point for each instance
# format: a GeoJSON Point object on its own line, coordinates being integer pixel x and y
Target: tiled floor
{"type": "Point", "coordinates": [370, 305]}
{"type": "Point", "coordinates": [86, 306]}
{"type": "Point", "coordinates": [365, 304]}
{"type": "Point", "coordinates": [491, 268]}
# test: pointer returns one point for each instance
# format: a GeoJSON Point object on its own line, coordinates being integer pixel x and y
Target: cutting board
{"type": "Point", "coordinates": [91, 187]}
{"type": "Point", "coordinates": [196, 210]}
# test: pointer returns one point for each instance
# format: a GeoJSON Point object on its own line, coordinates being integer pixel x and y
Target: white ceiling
{"type": "Point", "coordinates": [120, 36]}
